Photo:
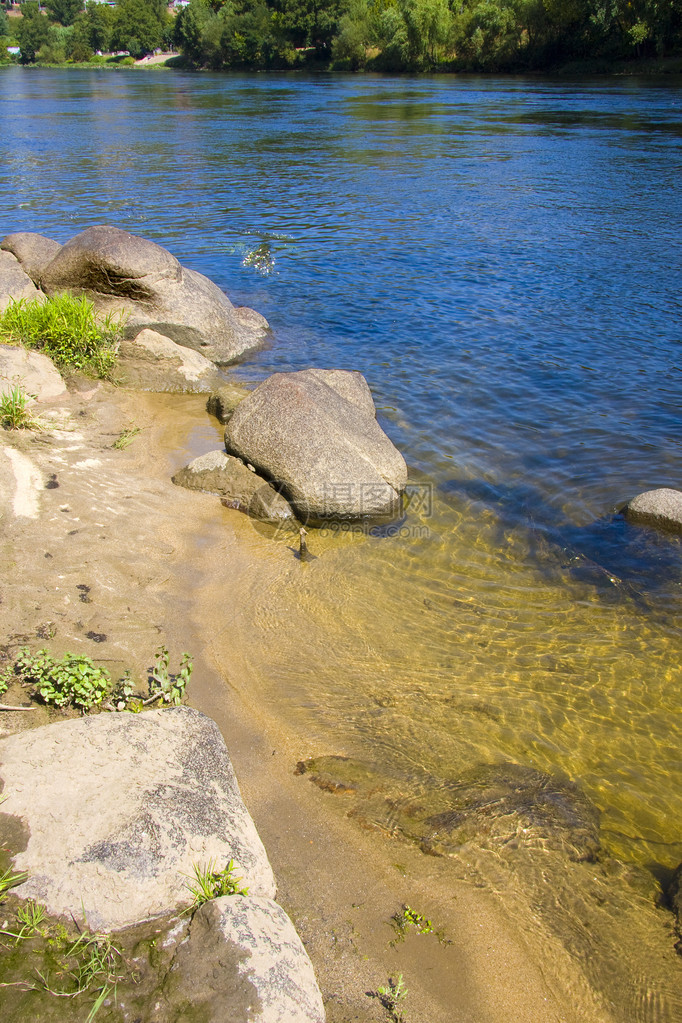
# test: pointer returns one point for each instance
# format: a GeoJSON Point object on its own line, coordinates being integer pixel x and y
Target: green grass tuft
{"type": "Point", "coordinates": [66, 329]}
{"type": "Point", "coordinates": [15, 412]}
{"type": "Point", "coordinates": [209, 883]}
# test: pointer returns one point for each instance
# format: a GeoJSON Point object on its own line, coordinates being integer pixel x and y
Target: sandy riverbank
{"type": "Point", "coordinates": [116, 560]}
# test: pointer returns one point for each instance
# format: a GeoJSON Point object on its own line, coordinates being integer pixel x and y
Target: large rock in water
{"type": "Point", "coordinates": [661, 508]}
{"type": "Point", "coordinates": [34, 251]}
{"type": "Point", "coordinates": [119, 271]}
{"type": "Point", "coordinates": [118, 808]}
{"type": "Point", "coordinates": [265, 974]}
{"type": "Point", "coordinates": [315, 434]}
{"type": "Point", "coordinates": [15, 285]}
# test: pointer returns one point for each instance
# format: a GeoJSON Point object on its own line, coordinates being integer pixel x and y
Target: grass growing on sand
{"type": "Point", "coordinates": [66, 329]}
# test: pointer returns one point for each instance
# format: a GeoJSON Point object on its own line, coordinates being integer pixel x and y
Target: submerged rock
{"type": "Point", "coordinates": [661, 508]}
{"type": "Point", "coordinates": [218, 473]}
{"type": "Point", "coordinates": [34, 251]}
{"type": "Point", "coordinates": [315, 433]}
{"type": "Point", "coordinates": [119, 807]}
{"type": "Point", "coordinates": [492, 805]}
{"type": "Point", "coordinates": [33, 372]}
{"type": "Point", "coordinates": [265, 975]}
{"type": "Point", "coordinates": [119, 271]}
{"type": "Point", "coordinates": [152, 362]}
{"type": "Point", "coordinates": [15, 285]}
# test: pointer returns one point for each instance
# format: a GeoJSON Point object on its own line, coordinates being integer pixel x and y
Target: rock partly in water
{"type": "Point", "coordinates": [661, 508]}
{"type": "Point", "coordinates": [224, 401]}
{"type": "Point", "coordinates": [15, 284]}
{"type": "Point", "coordinates": [219, 473]}
{"type": "Point", "coordinates": [265, 975]}
{"type": "Point", "coordinates": [315, 433]}
{"type": "Point", "coordinates": [34, 251]}
{"type": "Point", "coordinates": [119, 807]}
{"type": "Point", "coordinates": [31, 371]}
{"type": "Point", "coordinates": [119, 271]}
{"type": "Point", "coordinates": [152, 362]}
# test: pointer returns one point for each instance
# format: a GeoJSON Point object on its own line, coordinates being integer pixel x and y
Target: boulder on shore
{"type": "Point", "coordinates": [152, 362]}
{"type": "Point", "coordinates": [34, 251]}
{"type": "Point", "coordinates": [32, 371]}
{"type": "Point", "coordinates": [266, 975]}
{"type": "Point", "coordinates": [122, 273]}
{"type": "Point", "coordinates": [661, 508]}
{"type": "Point", "coordinates": [315, 434]}
{"type": "Point", "coordinates": [15, 285]}
{"type": "Point", "coordinates": [218, 473]}
{"type": "Point", "coordinates": [117, 809]}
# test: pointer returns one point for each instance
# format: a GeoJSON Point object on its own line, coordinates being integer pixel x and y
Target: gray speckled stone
{"type": "Point", "coordinates": [121, 272]}
{"type": "Point", "coordinates": [661, 508]}
{"type": "Point", "coordinates": [218, 473]}
{"type": "Point", "coordinates": [34, 251]}
{"type": "Point", "coordinates": [15, 284]}
{"type": "Point", "coordinates": [244, 962]}
{"type": "Point", "coordinates": [119, 807]}
{"type": "Point", "coordinates": [316, 434]}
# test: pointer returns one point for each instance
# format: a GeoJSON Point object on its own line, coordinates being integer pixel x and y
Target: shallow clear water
{"type": "Point", "coordinates": [501, 258]}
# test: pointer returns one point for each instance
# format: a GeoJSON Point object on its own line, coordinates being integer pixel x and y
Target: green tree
{"type": "Point", "coordinates": [140, 26]}
{"type": "Point", "coordinates": [32, 31]}
{"type": "Point", "coordinates": [63, 11]}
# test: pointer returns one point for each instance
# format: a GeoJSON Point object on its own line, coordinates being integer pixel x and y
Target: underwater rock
{"type": "Point", "coordinates": [224, 401]}
{"type": "Point", "coordinates": [490, 805]}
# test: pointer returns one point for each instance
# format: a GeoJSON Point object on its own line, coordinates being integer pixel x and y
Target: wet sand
{"type": "Point", "coordinates": [117, 561]}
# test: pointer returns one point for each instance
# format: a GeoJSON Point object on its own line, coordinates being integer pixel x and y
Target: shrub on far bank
{"type": "Point", "coordinates": [66, 329]}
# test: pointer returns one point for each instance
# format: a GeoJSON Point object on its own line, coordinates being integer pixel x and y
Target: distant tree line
{"type": "Point", "coordinates": [69, 30]}
{"type": "Point", "coordinates": [380, 35]}
{"type": "Point", "coordinates": [397, 35]}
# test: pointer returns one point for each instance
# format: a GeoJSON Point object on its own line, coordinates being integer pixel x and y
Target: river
{"type": "Point", "coordinates": [501, 258]}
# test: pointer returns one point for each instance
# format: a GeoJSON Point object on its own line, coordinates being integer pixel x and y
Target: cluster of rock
{"type": "Point", "coordinates": [140, 282]}
{"type": "Point", "coordinates": [308, 445]}
{"type": "Point", "coordinates": [154, 794]}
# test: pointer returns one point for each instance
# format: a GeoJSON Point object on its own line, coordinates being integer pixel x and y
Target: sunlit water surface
{"type": "Point", "coordinates": [501, 259]}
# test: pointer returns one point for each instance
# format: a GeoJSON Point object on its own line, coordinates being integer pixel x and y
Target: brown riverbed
{"type": "Point", "coordinates": [107, 557]}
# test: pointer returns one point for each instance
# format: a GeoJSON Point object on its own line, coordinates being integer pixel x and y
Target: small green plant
{"type": "Point", "coordinates": [408, 917]}
{"type": "Point", "coordinates": [126, 437]}
{"type": "Point", "coordinates": [88, 964]}
{"type": "Point", "coordinates": [72, 680]}
{"type": "Point", "coordinates": [390, 996]}
{"type": "Point", "coordinates": [30, 916]}
{"type": "Point", "coordinates": [15, 411]}
{"type": "Point", "coordinates": [209, 883]}
{"type": "Point", "coordinates": [9, 880]}
{"type": "Point", "coordinates": [165, 685]}
{"type": "Point", "coordinates": [66, 329]}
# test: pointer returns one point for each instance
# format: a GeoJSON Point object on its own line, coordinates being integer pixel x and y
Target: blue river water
{"type": "Point", "coordinates": [502, 259]}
